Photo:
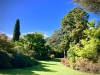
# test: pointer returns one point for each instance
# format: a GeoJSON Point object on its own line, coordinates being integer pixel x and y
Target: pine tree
{"type": "Point", "coordinates": [89, 5]}
{"type": "Point", "coordinates": [16, 32]}
{"type": "Point", "coordinates": [74, 23]}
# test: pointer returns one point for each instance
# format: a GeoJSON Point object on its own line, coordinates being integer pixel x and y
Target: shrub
{"type": "Point", "coordinates": [83, 65]}
{"type": "Point", "coordinates": [19, 61]}
{"type": "Point", "coordinates": [5, 44]}
{"type": "Point", "coordinates": [19, 49]}
{"type": "Point", "coordinates": [98, 60]}
{"type": "Point", "coordinates": [44, 56]}
{"type": "Point", "coordinates": [52, 56]}
{"type": "Point", "coordinates": [5, 60]}
{"type": "Point", "coordinates": [30, 61]}
{"type": "Point", "coordinates": [87, 66]}
{"type": "Point", "coordinates": [65, 62]}
{"type": "Point", "coordinates": [34, 62]}
{"type": "Point", "coordinates": [39, 56]}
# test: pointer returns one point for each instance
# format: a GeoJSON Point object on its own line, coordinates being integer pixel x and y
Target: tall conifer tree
{"type": "Point", "coordinates": [16, 32]}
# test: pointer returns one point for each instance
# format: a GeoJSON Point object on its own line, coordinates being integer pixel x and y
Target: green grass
{"type": "Point", "coordinates": [51, 67]}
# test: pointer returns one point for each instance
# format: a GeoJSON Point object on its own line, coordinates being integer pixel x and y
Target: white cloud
{"type": "Point", "coordinates": [9, 36]}
{"type": "Point", "coordinates": [1, 32]}
{"type": "Point", "coordinates": [45, 36]}
{"type": "Point", "coordinates": [27, 33]}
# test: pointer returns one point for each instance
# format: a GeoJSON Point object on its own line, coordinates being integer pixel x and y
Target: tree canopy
{"type": "Point", "coordinates": [89, 5]}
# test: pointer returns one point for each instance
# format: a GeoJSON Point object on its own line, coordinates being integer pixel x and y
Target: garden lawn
{"type": "Point", "coordinates": [51, 67]}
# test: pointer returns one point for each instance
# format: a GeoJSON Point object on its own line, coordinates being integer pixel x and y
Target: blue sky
{"type": "Point", "coordinates": [34, 15]}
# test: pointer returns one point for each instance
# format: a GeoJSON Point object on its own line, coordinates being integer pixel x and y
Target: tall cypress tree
{"type": "Point", "coordinates": [16, 32]}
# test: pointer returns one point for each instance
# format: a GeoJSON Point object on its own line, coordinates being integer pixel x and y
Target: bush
{"type": "Point", "coordinates": [43, 56]}
{"type": "Point", "coordinates": [5, 60]}
{"type": "Point", "coordinates": [30, 61]}
{"type": "Point", "coordinates": [34, 62]}
{"type": "Point", "coordinates": [52, 56]}
{"type": "Point", "coordinates": [87, 66]}
{"type": "Point", "coordinates": [83, 65]}
{"type": "Point", "coordinates": [57, 54]}
{"type": "Point", "coordinates": [98, 60]}
{"type": "Point", "coordinates": [19, 49]}
{"type": "Point", "coordinates": [39, 56]}
{"type": "Point", "coordinates": [21, 61]}
{"type": "Point", "coordinates": [65, 62]}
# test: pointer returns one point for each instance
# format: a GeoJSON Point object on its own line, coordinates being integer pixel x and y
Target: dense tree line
{"type": "Point", "coordinates": [22, 51]}
{"type": "Point", "coordinates": [79, 40]}
{"type": "Point", "coordinates": [78, 36]}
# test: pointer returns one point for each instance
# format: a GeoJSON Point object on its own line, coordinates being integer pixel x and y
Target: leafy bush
{"type": "Point", "coordinates": [5, 44]}
{"type": "Point", "coordinates": [44, 56]}
{"type": "Point", "coordinates": [86, 66]}
{"type": "Point", "coordinates": [30, 61]}
{"type": "Point", "coordinates": [99, 60]}
{"type": "Point", "coordinates": [38, 56]}
{"type": "Point", "coordinates": [5, 60]}
{"type": "Point", "coordinates": [19, 49]}
{"type": "Point", "coordinates": [65, 62]}
{"type": "Point", "coordinates": [57, 54]}
{"type": "Point", "coordinates": [21, 61]}
{"type": "Point", "coordinates": [52, 56]}
{"type": "Point", "coordinates": [83, 65]}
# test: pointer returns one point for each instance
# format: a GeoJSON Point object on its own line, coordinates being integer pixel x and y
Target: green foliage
{"type": "Point", "coordinates": [15, 60]}
{"type": "Point", "coordinates": [52, 56]}
{"type": "Point", "coordinates": [5, 44]}
{"type": "Point", "coordinates": [73, 20]}
{"type": "Point", "coordinates": [54, 40]}
{"type": "Point", "coordinates": [16, 32]}
{"type": "Point", "coordinates": [89, 5]}
{"type": "Point", "coordinates": [21, 61]}
{"type": "Point", "coordinates": [74, 24]}
{"type": "Point", "coordinates": [5, 60]}
{"type": "Point", "coordinates": [98, 25]}
{"type": "Point", "coordinates": [51, 67]}
{"type": "Point", "coordinates": [89, 47]}
{"type": "Point", "coordinates": [81, 38]}
{"type": "Point", "coordinates": [33, 45]}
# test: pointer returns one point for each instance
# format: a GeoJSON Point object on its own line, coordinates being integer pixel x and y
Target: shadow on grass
{"type": "Point", "coordinates": [42, 67]}
{"type": "Point", "coordinates": [17, 72]}
{"type": "Point", "coordinates": [55, 60]}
